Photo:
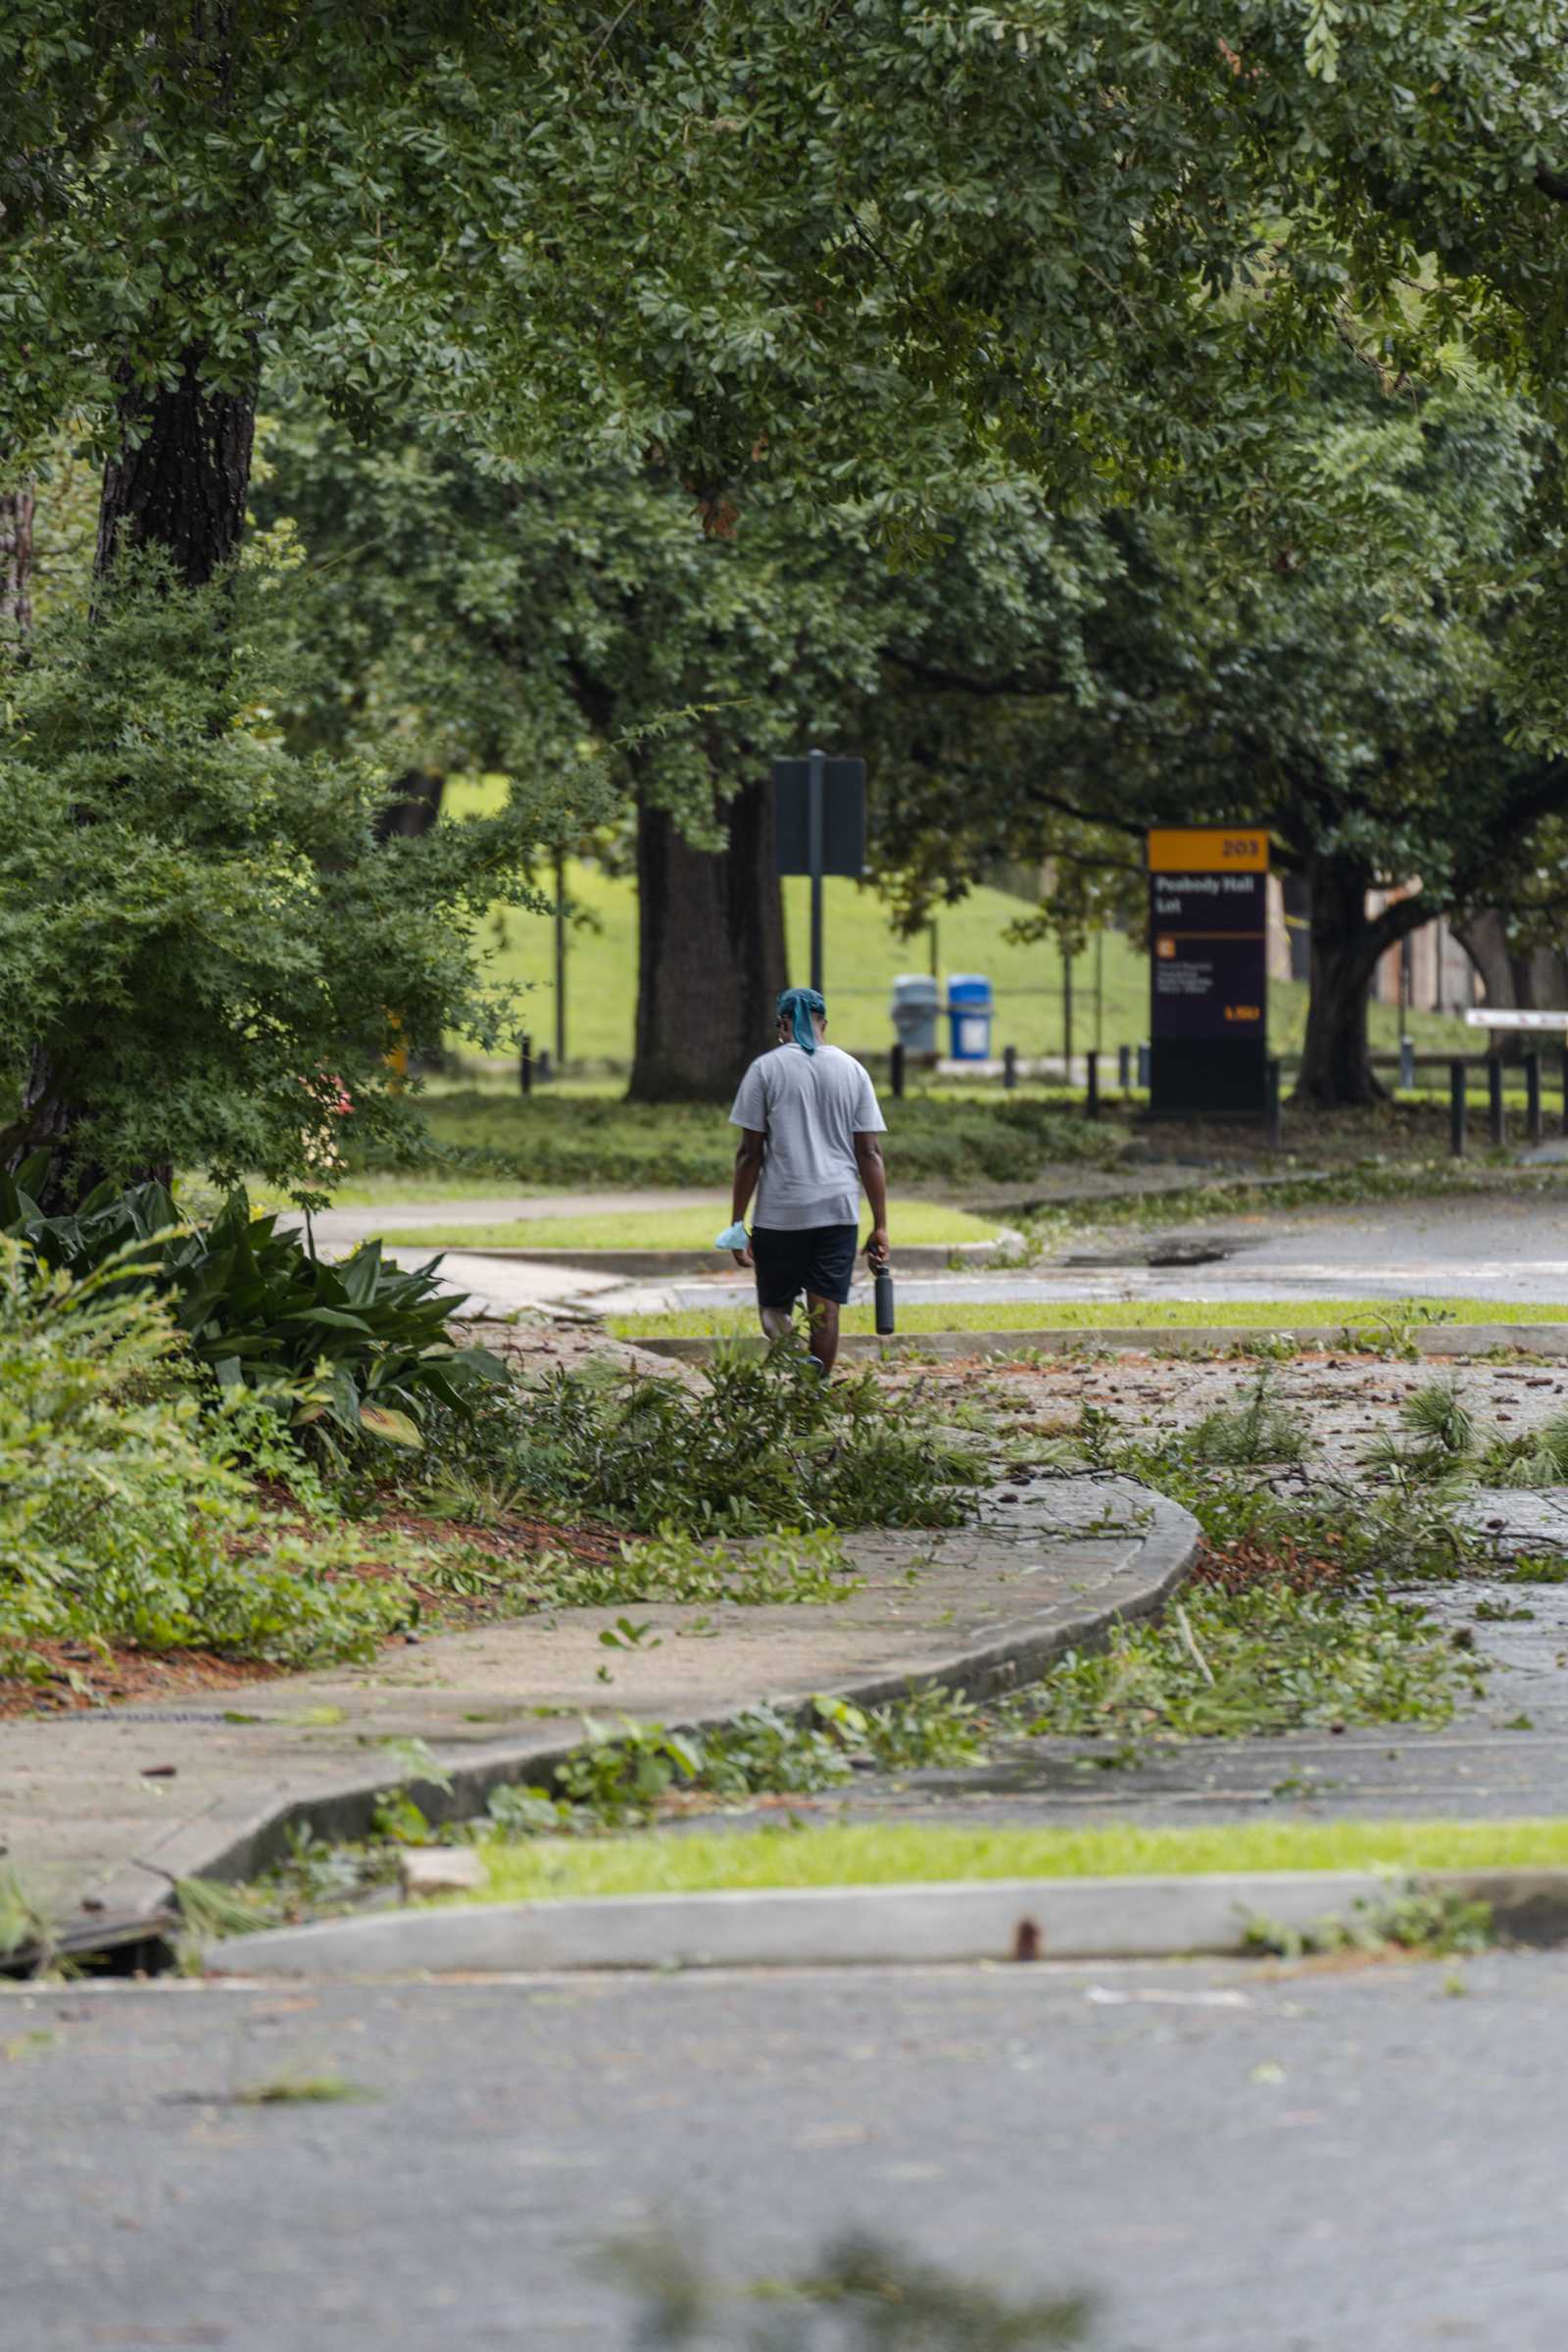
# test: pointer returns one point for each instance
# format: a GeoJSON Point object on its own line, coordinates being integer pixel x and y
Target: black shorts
{"type": "Point", "coordinates": [789, 1260]}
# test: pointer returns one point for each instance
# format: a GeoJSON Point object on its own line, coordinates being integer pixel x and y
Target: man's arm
{"type": "Point", "coordinates": [874, 1184]}
{"type": "Point", "coordinates": [748, 1168]}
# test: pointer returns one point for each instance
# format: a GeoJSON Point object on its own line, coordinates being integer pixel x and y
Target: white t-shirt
{"type": "Point", "coordinates": [810, 1107]}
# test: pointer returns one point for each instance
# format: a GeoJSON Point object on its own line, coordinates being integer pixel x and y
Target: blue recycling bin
{"type": "Point", "coordinates": [971, 1006]}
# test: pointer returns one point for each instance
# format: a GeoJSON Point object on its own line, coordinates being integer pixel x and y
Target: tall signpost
{"type": "Point", "coordinates": [1208, 971]}
{"type": "Point", "coordinates": [819, 820]}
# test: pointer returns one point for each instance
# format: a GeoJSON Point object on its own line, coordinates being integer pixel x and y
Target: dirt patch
{"type": "Point", "coordinates": [78, 1676]}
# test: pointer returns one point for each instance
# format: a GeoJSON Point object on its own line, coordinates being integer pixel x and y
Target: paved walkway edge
{"type": "Point", "coordinates": [226, 1844]}
{"type": "Point", "coordinates": [918, 1257]}
{"type": "Point", "coordinates": [1161, 1339]}
{"type": "Point", "coordinates": [984, 1920]}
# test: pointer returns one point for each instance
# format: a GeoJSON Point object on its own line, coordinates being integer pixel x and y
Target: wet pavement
{"type": "Point", "coordinates": [1513, 1247]}
{"type": "Point", "coordinates": [1503, 1754]}
{"type": "Point", "coordinates": [1223, 2156]}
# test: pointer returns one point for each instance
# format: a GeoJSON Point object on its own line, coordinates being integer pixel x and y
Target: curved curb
{"type": "Point", "coordinates": [227, 1843]}
{"type": "Point", "coordinates": [877, 1927]}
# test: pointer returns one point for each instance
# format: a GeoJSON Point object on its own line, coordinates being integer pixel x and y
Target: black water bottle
{"type": "Point", "coordinates": [884, 1303]}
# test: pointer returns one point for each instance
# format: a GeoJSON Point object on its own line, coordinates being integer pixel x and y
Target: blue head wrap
{"type": "Point", "coordinates": [796, 1005]}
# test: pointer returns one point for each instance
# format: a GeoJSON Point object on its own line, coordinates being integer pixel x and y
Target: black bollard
{"type": "Point", "coordinates": [1496, 1118]}
{"type": "Point", "coordinates": [1124, 1069]}
{"type": "Point", "coordinates": [1010, 1067]}
{"type": "Point", "coordinates": [1535, 1124]}
{"type": "Point", "coordinates": [1092, 1083]}
{"type": "Point", "coordinates": [1457, 1108]}
{"type": "Point", "coordinates": [525, 1064]}
{"type": "Point", "coordinates": [1271, 1098]}
{"type": "Point", "coordinates": [896, 1072]}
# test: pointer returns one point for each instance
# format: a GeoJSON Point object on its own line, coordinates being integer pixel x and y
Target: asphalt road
{"type": "Point", "coordinates": [1229, 2159]}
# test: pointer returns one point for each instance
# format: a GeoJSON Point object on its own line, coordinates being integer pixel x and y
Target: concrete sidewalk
{"type": "Point", "coordinates": [101, 1811]}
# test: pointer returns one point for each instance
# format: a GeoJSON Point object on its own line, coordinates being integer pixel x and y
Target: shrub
{"type": "Point", "coordinates": [577, 1140]}
{"type": "Point", "coordinates": [764, 1443]}
{"type": "Point", "coordinates": [117, 1523]}
{"type": "Point", "coordinates": [359, 1346]}
{"type": "Point", "coordinates": [203, 933]}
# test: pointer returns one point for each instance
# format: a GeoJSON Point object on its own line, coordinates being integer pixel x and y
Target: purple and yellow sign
{"type": "Point", "coordinates": [1208, 970]}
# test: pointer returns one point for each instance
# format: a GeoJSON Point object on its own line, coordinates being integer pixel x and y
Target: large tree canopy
{"type": "Point", "coordinates": [1340, 676]}
{"type": "Point", "coordinates": [765, 236]}
{"type": "Point", "coordinates": [781, 256]}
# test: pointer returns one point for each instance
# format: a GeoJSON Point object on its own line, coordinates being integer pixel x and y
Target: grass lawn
{"type": "Point", "coordinates": [1102, 1314]}
{"type": "Point", "coordinates": [392, 1192]}
{"type": "Point", "coordinates": [861, 954]}
{"type": "Point", "coordinates": [666, 1229]}
{"type": "Point", "coordinates": [914, 1854]}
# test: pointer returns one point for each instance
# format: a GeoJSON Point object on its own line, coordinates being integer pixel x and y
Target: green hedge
{"type": "Point", "coordinates": [572, 1140]}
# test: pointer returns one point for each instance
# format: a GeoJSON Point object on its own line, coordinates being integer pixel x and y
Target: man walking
{"type": "Point", "coordinates": [810, 1121]}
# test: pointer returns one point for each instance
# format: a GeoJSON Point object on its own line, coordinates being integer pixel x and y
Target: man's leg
{"type": "Point", "coordinates": [780, 1260]}
{"type": "Point", "coordinates": [828, 1277]}
{"type": "Point", "coordinates": [824, 1314]}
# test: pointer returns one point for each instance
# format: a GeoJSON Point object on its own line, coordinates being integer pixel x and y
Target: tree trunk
{"type": "Point", "coordinates": [1334, 1072]}
{"type": "Point", "coordinates": [410, 810]}
{"type": "Point", "coordinates": [178, 481]}
{"type": "Point", "coordinates": [1542, 983]}
{"type": "Point", "coordinates": [413, 806]}
{"type": "Point", "coordinates": [182, 476]}
{"type": "Point", "coordinates": [710, 953]}
{"type": "Point", "coordinates": [16, 566]}
{"type": "Point", "coordinates": [1533, 981]}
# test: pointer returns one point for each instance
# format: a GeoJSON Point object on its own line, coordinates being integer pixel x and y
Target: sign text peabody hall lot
{"type": "Point", "coordinates": [1208, 970]}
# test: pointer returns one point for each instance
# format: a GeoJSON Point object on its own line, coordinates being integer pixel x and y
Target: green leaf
{"type": "Point", "coordinates": [395, 1428]}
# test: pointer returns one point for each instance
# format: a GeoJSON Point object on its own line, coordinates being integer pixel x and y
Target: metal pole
{"type": "Point", "coordinates": [895, 1059]}
{"type": "Point", "coordinates": [1536, 1126]}
{"type": "Point", "coordinates": [1406, 1064]}
{"type": "Point", "coordinates": [1271, 1097]}
{"type": "Point", "coordinates": [1457, 1108]}
{"type": "Point", "coordinates": [816, 769]}
{"type": "Point", "coordinates": [1405, 992]}
{"type": "Point", "coordinates": [1496, 1119]}
{"type": "Point", "coordinates": [1092, 1097]}
{"type": "Point", "coordinates": [1066, 1015]}
{"type": "Point", "coordinates": [1124, 1068]}
{"type": "Point", "coordinates": [1010, 1067]}
{"type": "Point", "coordinates": [525, 1064]}
{"type": "Point", "coordinates": [561, 963]}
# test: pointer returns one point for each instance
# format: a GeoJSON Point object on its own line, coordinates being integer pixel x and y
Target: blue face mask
{"type": "Point", "coordinates": [796, 1005]}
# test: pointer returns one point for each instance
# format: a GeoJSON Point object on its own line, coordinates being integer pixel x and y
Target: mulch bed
{"type": "Point", "coordinates": [80, 1676]}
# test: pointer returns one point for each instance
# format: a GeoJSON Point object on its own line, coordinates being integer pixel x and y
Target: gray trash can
{"type": "Point", "coordinates": [913, 1009]}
